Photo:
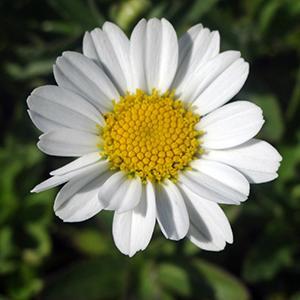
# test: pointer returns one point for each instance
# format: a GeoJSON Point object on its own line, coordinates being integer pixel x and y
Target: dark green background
{"type": "Point", "coordinates": [43, 258]}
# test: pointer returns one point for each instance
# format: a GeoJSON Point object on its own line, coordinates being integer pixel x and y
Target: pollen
{"type": "Point", "coordinates": [151, 136]}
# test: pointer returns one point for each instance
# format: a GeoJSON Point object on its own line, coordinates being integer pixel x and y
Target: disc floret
{"type": "Point", "coordinates": [152, 136]}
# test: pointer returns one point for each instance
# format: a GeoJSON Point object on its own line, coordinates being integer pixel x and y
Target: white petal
{"type": "Point", "coordinates": [186, 43]}
{"type": "Point", "coordinates": [231, 125]}
{"type": "Point", "coordinates": [256, 159]}
{"type": "Point", "coordinates": [205, 239]}
{"type": "Point", "coordinates": [208, 218]}
{"type": "Point", "coordinates": [89, 48]}
{"type": "Point", "coordinates": [68, 142]}
{"type": "Point", "coordinates": [172, 214]}
{"type": "Point", "coordinates": [196, 82]}
{"type": "Point", "coordinates": [78, 163]}
{"type": "Point", "coordinates": [169, 56]}
{"type": "Point", "coordinates": [110, 48]}
{"type": "Point", "coordinates": [78, 199]}
{"type": "Point", "coordinates": [137, 55]}
{"type": "Point", "coordinates": [196, 47]}
{"type": "Point", "coordinates": [43, 124]}
{"type": "Point", "coordinates": [50, 183]}
{"type": "Point", "coordinates": [80, 74]}
{"type": "Point", "coordinates": [223, 88]}
{"type": "Point", "coordinates": [120, 44]}
{"type": "Point", "coordinates": [216, 182]}
{"type": "Point", "coordinates": [153, 53]}
{"type": "Point", "coordinates": [54, 181]}
{"type": "Point", "coordinates": [64, 109]}
{"type": "Point", "coordinates": [132, 230]}
{"type": "Point", "coordinates": [258, 176]}
{"type": "Point", "coordinates": [121, 193]}
{"type": "Point", "coordinates": [157, 51]}
{"type": "Point", "coordinates": [78, 182]}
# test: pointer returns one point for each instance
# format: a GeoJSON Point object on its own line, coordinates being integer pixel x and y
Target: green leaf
{"type": "Point", "coordinates": [77, 11]}
{"type": "Point", "coordinates": [88, 280]}
{"type": "Point", "coordinates": [91, 242]}
{"type": "Point", "coordinates": [149, 287]}
{"type": "Point", "coordinates": [232, 212]}
{"type": "Point", "coordinates": [295, 296]}
{"type": "Point", "coordinates": [261, 266]}
{"type": "Point", "coordinates": [127, 12]}
{"type": "Point", "coordinates": [291, 159]}
{"type": "Point", "coordinates": [42, 244]}
{"type": "Point", "coordinates": [190, 249]}
{"type": "Point", "coordinates": [158, 10]}
{"type": "Point", "coordinates": [267, 13]}
{"type": "Point", "coordinates": [199, 9]}
{"type": "Point", "coordinates": [160, 245]}
{"type": "Point", "coordinates": [295, 192]}
{"type": "Point", "coordinates": [264, 263]}
{"type": "Point", "coordinates": [274, 125]}
{"type": "Point", "coordinates": [295, 98]}
{"type": "Point", "coordinates": [155, 282]}
{"type": "Point", "coordinates": [224, 285]}
{"type": "Point", "coordinates": [14, 159]}
{"type": "Point", "coordinates": [64, 28]}
{"type": "Point", "coordinates": [174, 279]}
{"type": "Point", "coordinates": [7, 250]}
{"type": "Point", "coordinates": [31, 286]}
{"type": "Point", "coordinates": [33, 69]}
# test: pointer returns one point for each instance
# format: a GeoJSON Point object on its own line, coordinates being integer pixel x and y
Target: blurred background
{"type": "Point", "coordinates": [43, 258]}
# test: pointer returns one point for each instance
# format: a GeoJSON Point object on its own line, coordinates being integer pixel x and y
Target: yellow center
{"type": "Point", "coordinates": [152, 136]}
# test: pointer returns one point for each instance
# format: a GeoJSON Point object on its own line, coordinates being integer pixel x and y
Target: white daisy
{"type": "Point", "coordinates": [155, 140]}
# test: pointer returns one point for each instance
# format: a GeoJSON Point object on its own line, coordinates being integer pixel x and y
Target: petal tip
{"type": "Point", "coordinates": [34, 190]}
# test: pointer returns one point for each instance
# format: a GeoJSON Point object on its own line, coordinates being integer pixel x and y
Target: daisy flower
{"type": "Point", "coordinates": [147, 119]}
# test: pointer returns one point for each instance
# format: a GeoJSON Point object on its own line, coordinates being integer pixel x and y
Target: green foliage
{"type": "Point", "coordinates": [88, 280]}
{"type": "Point", "coordinates": [43, 258]}
{"type": "Point", "coordinates": [174, 279]}
{"type": "Point", "coordinates": [91, 242]}
{"type": "Point", "coordinates": [274, 127]}
{"type": "Point", "coordinates": [164, 281]}
{"type": "Point", "coordinates": [223, 284]}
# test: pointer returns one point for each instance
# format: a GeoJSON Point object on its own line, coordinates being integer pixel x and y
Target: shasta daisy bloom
{"type": "Point", "coordinates": [148, 120]}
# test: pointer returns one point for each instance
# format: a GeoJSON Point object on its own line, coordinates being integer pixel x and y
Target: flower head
{"type": "Point", "coordinates": [155, 140]}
